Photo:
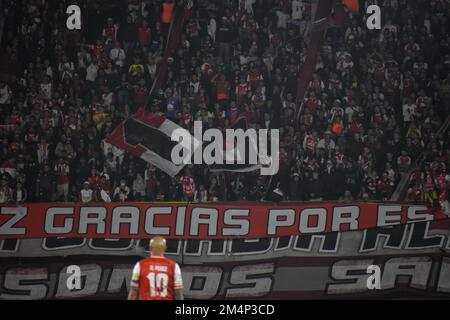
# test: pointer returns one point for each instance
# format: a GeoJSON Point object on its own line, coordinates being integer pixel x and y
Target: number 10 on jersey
{"type": "Point", "coordinates": [158, 283]}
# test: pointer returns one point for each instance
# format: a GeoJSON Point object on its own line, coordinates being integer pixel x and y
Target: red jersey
{"type": "Point", "coordinates": [254, 78]}
{"type": "Point", "coordinates": [310, 142]}
{"type": "Point", "coordinates": [145, 36]}
{"type": "Point", "coordinates": [188, 185]}
{"type": "Point", "coordinates": [222, 90]}
{"type": "Point", "coordinates": [429, 183]}
{"type": "Point", "coordinates": [443, 196]}
{"type": "Point", "coordinates": [355, 127]}
{"type": "Point", "coordinates": [316, 84]}
{"type": "Point", "coordinates": [241, 91]}
{"type": "Point", "coordinates": [157, 278]}
{"type": "Point", "coordinates": [442, 180]}
{"type": "Point", "coordinates": [403, 161]}
{"type": "Point", "coordinates": [335, 84]}
{"type": "Point", "coordinates": [140, 96]}
{"type": "Point", "coordinates": [110, 33]}
{"type": "Point", "coordinates": [414, 193]}
{"type": "Point", "coordinates": [15, 120]}
{"type": "Point", "coordinates": [312, 104]}
{"type": "Point", "coordinates": [98, 51]}
{"type": "Point", "coordinates": [378, 73]}
{"type": "Point", "coordinates": [62, 171]}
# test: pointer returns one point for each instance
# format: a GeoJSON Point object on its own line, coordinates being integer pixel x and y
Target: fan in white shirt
{"type": "Point", "coordinates": [92, 71]}
{"type": "Point", "coordinates": [86, 194]}
{"type": "Point", "coordinates": [117, 54]}
{"type": "Point", "coordinates": [298, 8]}
{"type": "Point", "coordinates": [5, 93]}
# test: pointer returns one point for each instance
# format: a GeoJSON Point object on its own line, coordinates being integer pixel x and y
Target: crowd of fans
{"type": "Point", "coordinates": [373, 107]}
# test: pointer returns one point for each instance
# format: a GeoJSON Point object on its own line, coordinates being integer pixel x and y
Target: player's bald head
{"type": "Point", "coordinates": [158, 245]}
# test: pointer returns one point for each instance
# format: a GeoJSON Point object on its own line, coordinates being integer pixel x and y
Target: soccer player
{"type": "Point", "coordinates": [157, 277]}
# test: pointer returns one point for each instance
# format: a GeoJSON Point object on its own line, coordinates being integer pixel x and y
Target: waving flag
{"type": "Point", "coordinates": [148, 136]}
{"type": "Point", "coordinates": [352, 5]}
{"type": "Point", "coordinates": [231, 150]}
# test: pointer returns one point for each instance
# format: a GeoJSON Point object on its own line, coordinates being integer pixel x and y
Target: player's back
{"type": "Point", "coordinates": [158, 278]}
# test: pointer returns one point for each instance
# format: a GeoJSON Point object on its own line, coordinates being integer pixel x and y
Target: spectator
{"type": "Point", "coordinates": [5, 192]}
{"type": "Point", "coordinates": [139, 188]}
{"type": "Point", "coordinates": [5, 94]}
{"type": "Point", "coordinates": [61, 171]}
{"type": "Point", "coordinates": [144, 35]}
{"type": "Point", "coordinates": [121, 192]}
{"type": "Point", "coordinates": [44, 184]}
{"type": "Point", "coordinates": [117, 55]}
{"type": "Point", "coordinates": [201, 195]}
{"type": "Point", "coordinates": [404, 161]}
{"type": "Point", "coordinates": [19, 194]}
{"type": "Point", "coordinates": [347, 197]}
{"type": "Point", "coordinates": [373, 94]}
{"type": "Point", "coordinates": [86, 194]}
{"type": "Point", "coordinates": [224, 37]}
{"type": "Point", "coordinates": [188, 184]}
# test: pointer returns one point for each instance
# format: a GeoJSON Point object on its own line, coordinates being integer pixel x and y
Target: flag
{"type": "Point", "coordinates": [104, 196]}
{"type": "Point", "coordinates": [352, 5]}
{"type": "Point", "coordinates": [148, 136]}
{"type": "Point", "coordinates": [181, 15]}
{"type": "Point", "coordinates": [231, 149]}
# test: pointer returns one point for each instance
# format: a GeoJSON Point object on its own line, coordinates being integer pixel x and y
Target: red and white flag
{"type": "Point", "coordinates": [148, 136]}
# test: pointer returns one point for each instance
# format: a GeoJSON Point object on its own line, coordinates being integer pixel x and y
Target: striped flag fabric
{"type": "Point", "coordinates": [148, 136]}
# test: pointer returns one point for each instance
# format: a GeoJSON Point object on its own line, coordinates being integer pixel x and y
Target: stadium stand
{"type": "Point", "coordinates": [372, 106]}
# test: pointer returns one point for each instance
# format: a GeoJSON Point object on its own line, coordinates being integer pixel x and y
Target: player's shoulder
{"type": "Point", "coordinates": [158, 259]}
{"type": "Point", "coordinates": [144, 261]}
{"type": "Point", "coordinates": [168, 261]}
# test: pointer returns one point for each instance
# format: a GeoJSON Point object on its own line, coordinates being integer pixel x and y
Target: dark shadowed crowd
{"type": "Point", "coordinates": [372, 111]}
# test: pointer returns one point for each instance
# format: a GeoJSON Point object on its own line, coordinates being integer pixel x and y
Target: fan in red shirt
{"type": "Point", "coordinates": [385, 186]}
{"type": "Point", "coordinates": [254, 78]}
{"type": "Point", "coordinates": [157, 277]}
{"type": "Point", "coordinates": [188, 186]}
{"type": "Point", "coordinates": [310, 142]}
{"type": "Point", "coordinates": [62, 171]}
{"type": "Point", "coordinates": [403, 161]}
{"type": "Point", "coordinates": [110, 31]}
{"type": "Point", "coordinates": [442, 179]}
{"type": "Point", "coordinates": [415, 193]}
{"type": "Point", "coordinates": [97, 50]}
{"type": "Point", "coordinates": [312, 103]}
{"type": "Point", "coordinates": [144, 35]}
{"type": "Point", "coordinates": [222, 87]}
{"type": "Point", "coordinates": [241, 90]}
{"type": "Point", "coordinates": [378, 71]}
{"type": "Point", "coordinates": [140, 94]}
